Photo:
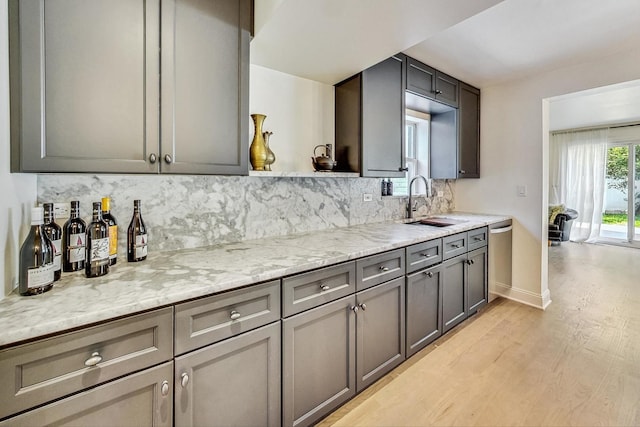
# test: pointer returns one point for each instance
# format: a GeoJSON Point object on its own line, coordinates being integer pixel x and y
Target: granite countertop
{"type": "Point", "coordinates": [170, 277]}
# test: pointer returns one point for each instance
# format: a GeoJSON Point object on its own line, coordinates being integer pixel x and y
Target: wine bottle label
{"type": "Point", "coordinates": [141, 245]}
{"type": "Point", "coordinates": [77, 244]}
{"type": "Point", "coordinates": [57, 254]}
{"type": "Point", "coordinates": [113, 241]}
{"type": "Point", "coordinates": [40, 276]}
{"type": "Point", "coordinates": [99, 251]}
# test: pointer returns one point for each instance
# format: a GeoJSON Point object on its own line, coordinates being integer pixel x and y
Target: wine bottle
{"type": "Point", "coordinates": [54, 233]}
{"type": "Point", "coordinates": [97, 259]}
{"type": "Point", "coordinates": [74, 240]}
{"type": "Point", "coordinates": [136, 236]}
{"type": "Point", "coordinates": [36, 258]}
{"type": "Point", "coordinates": [113, 230]}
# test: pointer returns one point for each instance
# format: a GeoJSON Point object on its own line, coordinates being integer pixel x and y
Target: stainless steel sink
{"type": "Point", "coordinates": [438, 222]}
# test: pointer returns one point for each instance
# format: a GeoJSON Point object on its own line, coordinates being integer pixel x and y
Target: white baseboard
{"type": "Point", "coordinates": [522, 296]}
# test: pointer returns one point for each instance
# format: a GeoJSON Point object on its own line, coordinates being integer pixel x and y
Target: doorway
{"type": "Point", "coordinates": [621, 213]}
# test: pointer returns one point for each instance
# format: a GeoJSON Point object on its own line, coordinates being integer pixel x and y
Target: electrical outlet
{"type": "Point", "coordinates": [367, 197]}
{"type": "Point", "coordinates": [440, 193]}
{"type": "Point", "coordinates": [61, 210]}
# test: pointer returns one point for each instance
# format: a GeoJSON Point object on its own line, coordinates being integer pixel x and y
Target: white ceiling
{"type": "Point", "coordinates": [482, 42]}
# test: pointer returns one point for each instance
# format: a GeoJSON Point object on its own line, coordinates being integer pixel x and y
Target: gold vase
{"type": "Point", "coordinates": [271, 157]}
{"type": "Point", "coordinates": [258, 149]}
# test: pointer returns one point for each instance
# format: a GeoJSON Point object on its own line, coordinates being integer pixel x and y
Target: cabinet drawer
{"type": "Point", "coordinates": [477, 238]}
{"type": "Point", "coordinates": [424, 255]}
{"type": "Point", "coordinates": [205, 321]}
{"type": "Point", "coordinates": [376, 269]}
{"type": "Point", "coordinates": [454, 245]}
{"type": "Point", "coordinates": [309, 290]}
{"type": "Point", "coordinates": [51, 368]}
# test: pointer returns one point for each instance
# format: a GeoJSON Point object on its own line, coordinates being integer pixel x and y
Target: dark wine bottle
{"type": "Point", "coordinates": [74, 240]}
{"type": "Point", "coordinates": [36, 258]}
{"type": "Point", "coordinates": [54, 233]}
{"type": "Point", "coordinates": [97, 263]}
{"type": "Point", "coordinates": [136, 236]}
{"type": "Point", "coordinates": [113, 230]}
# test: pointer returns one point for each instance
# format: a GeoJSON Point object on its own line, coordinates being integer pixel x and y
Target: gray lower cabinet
{"type": "Point", "coordinates": [380, 331]}
{"type": "Point", "coordinates": [477, 280]}
{"type": "Point", "coordinates": [233, 382]}
{"type": "Point", "coordinates": [141, 399]}
{"type": "Point", "coordinates": [424, 315]}
{"type": "Point", "coordinates": [318, 361]}
{"type": "Point", "coordinates": [86, 93]}
{"type": "Point", "coordinates": [454, 292]}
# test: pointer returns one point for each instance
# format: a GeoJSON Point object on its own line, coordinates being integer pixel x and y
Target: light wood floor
{"type": "Point", "coordinates": [575, 364]}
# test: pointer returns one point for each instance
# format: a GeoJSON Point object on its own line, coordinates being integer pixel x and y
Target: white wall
{"type": "Point", "coordinates": [18, 191]}
{"type": "Point", "coordinates": [514, 151]}
{"type": "Point", "coordinates": [300, 113]}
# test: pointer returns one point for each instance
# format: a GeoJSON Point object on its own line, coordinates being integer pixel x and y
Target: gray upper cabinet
{"type": "Point", "coordinates": [430, 83]}
{"type": "Point", "coordinates": [469, 132]}
{"type": "Point", "coordinates": [205, 82]}
{"type": "Point", "coordinates": [370, 120]}
{"type": "Point", "coordinates": [86, 87]}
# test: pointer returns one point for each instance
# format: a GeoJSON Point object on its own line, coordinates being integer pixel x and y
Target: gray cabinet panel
{"type": "Point", "coordinates": [446, 89]}
{"type": "Point", "coordinates": [420, 78]}
{"type": "Point", "coordinates": [318, 360]}
{"type": "Point", "coordinates": [84, 85]}
{"type": "Point", "coordinates": [423, 255]}
{"type": "Point", "coordinates": [469, 132]}
{"type": "Point", "coordinates": [424, 299]}
{"type": "Point", "coordinates": [51, 368]}
{"type": "Point", "coordinates": [380, 331]}
{"type": "Point", "coordinates": [308, 290]}
{"type": "Point", "coordinates": [443, 146]}
{"type": "Point", "coordinates": [477, 281]}
{"type": "Point", "coordinates": [376, 269]}
{"type": "Point", "coordinates": [205, 72]}
{"type": "Point", "coordinates": [477, 238]}
{"type": "Point", "coordinates": [454, 298]}
{"type": "Point", "coordinates": [234, 382]}
{"type": "Point", "coordinates": [370, 120]}
{"type": "Point", "coordinates": [135, 400]}
{"type": "Point", "coordinates": [454, 245]}
{"type": "Point", "coordinates": [205, 321]}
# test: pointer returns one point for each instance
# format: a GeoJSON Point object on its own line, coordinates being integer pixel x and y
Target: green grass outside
{"type": "Point", "coordinates": [621, 219]}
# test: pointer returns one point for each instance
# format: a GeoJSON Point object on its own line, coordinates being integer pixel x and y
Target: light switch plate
{"type": "Point", "coordinates": [367, 197]}
{"type": "Point", "coordinates": [522, 190]}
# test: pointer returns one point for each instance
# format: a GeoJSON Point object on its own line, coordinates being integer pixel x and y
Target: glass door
{"type": "Point", "coordinates": [621, 215]}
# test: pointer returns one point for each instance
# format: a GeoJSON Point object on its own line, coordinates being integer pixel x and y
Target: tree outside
{"type": "Point", "coordinates": [617, 171]}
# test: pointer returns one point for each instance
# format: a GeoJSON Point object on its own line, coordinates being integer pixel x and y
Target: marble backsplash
{"type": "Point", "coordinates": [188, 211]}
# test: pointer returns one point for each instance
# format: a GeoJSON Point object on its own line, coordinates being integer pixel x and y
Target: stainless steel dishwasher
{"type": "Point", "coordinates": [499, 257]}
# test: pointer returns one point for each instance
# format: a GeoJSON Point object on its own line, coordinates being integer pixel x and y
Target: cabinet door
{"type": "Point", "coordinates": [424, 317]}
{"type": "Point", "coordinates": [318, 361]}
{"type": "Point", "coordinates": [383, 119]}
{"type": "Point", "coordinates": [446, 89]}
{"type": "Point", "coordinates": [477, 280]}
{"type": "Point", "coordinates": [469, 132]}
{"type": "Point", "coordinates": [380, 331]}
{"type": "Point", "coordinates": [142, 399]}
{"type": "Point", "coordinates": [205, 81]}
{"type": "Point", "coordinates": [454, 298]}
{"type": "Point", "coordinates": [84, 85]}
{"type": "Point", "coordinates": [233, 382]}
{"type": "Point", "coordinates": [420, 78]}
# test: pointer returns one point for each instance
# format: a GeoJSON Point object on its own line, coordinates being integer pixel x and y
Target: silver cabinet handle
{"type": "Point", "coordinates": [428, 273]}
{"type": "Point", "coordinates": [477, 239]}
{"type": "Point", "coordinates": [438, 92]}
{"type": "Point", "coordinates": [168, 158]}
{"type": "Point", "coordinates": [462, 171]}
{"type": "Point", "coordinates": [383, 268]}
{"type": "Point", "coordinates": [153, 158]}
{"type": "Point", "coordinates": [455, 246]}
{"type": "Point", "coordinates": [354, 308]}
{"type": "Point", "coordinates": [164, 388]}
{"type": "Point", "coordinates": [428, 255]}
{"type": "Point", "coordinates": [184, 379]}
{"type": "Point", "coordinates": [93, 360]}
{"type": "Point", "coordinates": [235, 315]}
{"type": "Point", "coordinates": [325, 287]}
{"type": "Point", "coordinates": [363, 306]}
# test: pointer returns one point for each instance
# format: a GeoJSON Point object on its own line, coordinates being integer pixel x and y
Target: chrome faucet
{"type": "Point", "coordinates": [410, 207]}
